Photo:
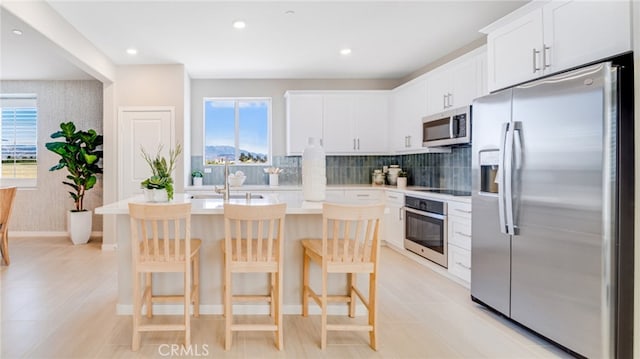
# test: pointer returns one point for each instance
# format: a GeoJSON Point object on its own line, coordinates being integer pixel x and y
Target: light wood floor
{"type": "Point", "coordinates": [58, 301]}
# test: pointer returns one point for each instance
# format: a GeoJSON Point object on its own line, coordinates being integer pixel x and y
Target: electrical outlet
{"type": "Point", "coordinates": [207, 170]}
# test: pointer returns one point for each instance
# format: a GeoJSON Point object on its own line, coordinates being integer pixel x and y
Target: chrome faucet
{"type": "Point", "coordinates": [225, 189]}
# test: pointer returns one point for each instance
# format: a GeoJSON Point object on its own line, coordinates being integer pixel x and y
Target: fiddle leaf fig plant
{"type": "Point", "coordinates": [161, 169]}
{"type": "Point", "coordinates": [80, 153]}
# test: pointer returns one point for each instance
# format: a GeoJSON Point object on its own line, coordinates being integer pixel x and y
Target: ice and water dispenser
{"type": "Point", "coordinates": [489, 160]}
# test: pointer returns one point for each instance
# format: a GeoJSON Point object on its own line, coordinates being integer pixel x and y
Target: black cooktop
{"type": "Point", "coordinates": [451, 192]}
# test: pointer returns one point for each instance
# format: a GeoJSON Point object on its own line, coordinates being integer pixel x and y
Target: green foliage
{"type": "Point", "coordinates": [402, 174]}
{"type": "Point", "coordinates": [197, 173]}
{"type": "Point", "coordinates": [79, 153]}
{"type": "Point", "coordinates": [161, 169]}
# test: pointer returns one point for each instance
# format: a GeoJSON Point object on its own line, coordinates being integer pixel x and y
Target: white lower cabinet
{"type": "Point", "coordinates": [459, 239]}
{"type": "Point", "coordinates": [393, 222]}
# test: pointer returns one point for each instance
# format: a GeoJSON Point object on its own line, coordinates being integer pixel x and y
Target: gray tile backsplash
{"type": "Point", "coordinates": [445, 170]}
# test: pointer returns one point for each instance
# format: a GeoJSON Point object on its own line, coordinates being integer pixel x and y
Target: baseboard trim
{"type": "Point", "coordinates": [243, 309]}
{"type": "Point", "coordinates": [48, 234]}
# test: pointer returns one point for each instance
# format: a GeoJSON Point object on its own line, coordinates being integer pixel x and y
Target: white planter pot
{"type": "Point", "coordinates": [155, 195]}
{"type": "Point", "coordinates": [79, 226]}
{"type": "Point", "coordinates": [273, 179]}
{"type": "Point", "coordinates": [197, 181]}
{"type": "Point", "coordinates": [402, 182]}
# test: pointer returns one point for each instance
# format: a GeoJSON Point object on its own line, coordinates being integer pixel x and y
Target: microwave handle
{"type": "Point", "coordinates": [451, 120]}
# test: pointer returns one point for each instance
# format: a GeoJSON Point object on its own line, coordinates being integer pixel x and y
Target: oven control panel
{"type": "Point", "coordinates": [425, 205]}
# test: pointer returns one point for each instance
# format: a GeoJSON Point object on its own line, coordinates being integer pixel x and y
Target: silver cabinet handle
{"type": "Point", "coordinates": [463, 234]}
{"type": "Point", "coordinates": [362, 195]}
{"type": "Point", "coordinates": [462, 210]}
{"type": "Point", "coordinates": [400, 213]}
{"type": "Point", "coordinates": [406, 141]}
{"type": "Point", "coordinates": [409, 138]}
{"type": "Point", "coordinates": [462, 265]}
{"type": "Point", "coordinates": [358, 143]}
{"type": "Point", "coordinates": [535, 60]}
{"type": "Point", "coordinates": [449, 101]}
{"type": "Point", "coordinates": [546, 49]}
{"type": "Point", "coordinates": [354, 143]}
{"type": "Point", "coordinates": [444, 101]}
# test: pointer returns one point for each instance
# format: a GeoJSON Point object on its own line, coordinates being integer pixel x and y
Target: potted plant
{"type": "Point", "coordinates": [81, 155]}
{"type": "Point", "coordinates": [159, 187]}
{"type": "Point", "coordinates": [402, 179]}
{"type": "Point", "coordinates": [197, 178]}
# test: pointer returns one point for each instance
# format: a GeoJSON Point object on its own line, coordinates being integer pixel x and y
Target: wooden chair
{"type": "Point", "coordinates": [6, 206]}
{"type": "Point", "coordinates": [161, 242]}
{"type": "Point", "coordinates": [253, 244]}
{"type": "Point", "coordinates": [350, 244]}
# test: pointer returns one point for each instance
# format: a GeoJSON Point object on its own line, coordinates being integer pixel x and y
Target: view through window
{"type": "Point", "coordinates": [237, 130]}
{"type": "Point", "coordinates": [19, 135]}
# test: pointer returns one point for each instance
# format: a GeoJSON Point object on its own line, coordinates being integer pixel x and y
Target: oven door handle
{"type": "Point", "coordinates": [426, 214]}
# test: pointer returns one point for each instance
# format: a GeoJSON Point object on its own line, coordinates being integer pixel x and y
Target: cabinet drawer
{"type": "Point", "coordinates": [364, 195]}
{"type": "Point", "coordinates": [460, 262]}
{"type": "Point", "coordinates": [459, 232]}
{"type": "Point", "coordinates": [394, 198]}
{"type": "Point", "coordinates": [459, 209]}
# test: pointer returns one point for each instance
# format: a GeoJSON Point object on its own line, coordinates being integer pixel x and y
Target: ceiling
{"type": "Point", "coordinates": [290, 39]}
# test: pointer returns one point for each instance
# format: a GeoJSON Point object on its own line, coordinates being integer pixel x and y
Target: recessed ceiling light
{"type": "Point", "coordinates": [345, 51]}
{"type": "Point", "coordinates": [239, 24]}
{"type": "Point", "coordinates": [16, 32]}
{"type": "Point", "coordinates": [132, 51]}
{"type": "Point", "coordinates": [289, 12]}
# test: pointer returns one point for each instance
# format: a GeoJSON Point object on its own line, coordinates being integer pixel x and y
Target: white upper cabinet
{"type": "Point", "coordinates": [372, 119]}
{"type": "Point", "coordinates": [349, 122]}
{"type": "Point", "coordinates": [457, 83]}
{"type": "Point", "coordinates": [514, 51]}
{"type": "Point", "coordinates": [304, 120]}
{"type": "Point", "coordinates": [546, 37]}
{"type": "Point", "coordinates": [578, 32]}
{"type": "Point", "coordinates": [408, 107]}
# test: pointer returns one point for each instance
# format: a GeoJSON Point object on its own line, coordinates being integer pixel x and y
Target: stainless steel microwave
{"type": "Point", "coordinates": [448, 128]}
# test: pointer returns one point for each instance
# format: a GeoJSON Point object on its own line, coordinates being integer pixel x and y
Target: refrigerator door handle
{"type": "Point", "coordinates": [508, 178]}
{"type": "Point", "coordinates": [500, 178]}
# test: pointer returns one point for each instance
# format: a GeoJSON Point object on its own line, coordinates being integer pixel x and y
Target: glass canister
{"type": "Point", "coordinates": [377, 177]}
{"type": "Point", "coordinates": [314, 171]}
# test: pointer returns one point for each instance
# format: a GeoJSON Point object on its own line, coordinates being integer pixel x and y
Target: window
{"type": "Point", "coordinates": [237, 129]}
{"type": "Point", "coordinates": [19, 135]}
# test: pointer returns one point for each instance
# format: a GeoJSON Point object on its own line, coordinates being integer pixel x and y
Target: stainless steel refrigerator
{"type": "Point", "coordinates": [552, 200]}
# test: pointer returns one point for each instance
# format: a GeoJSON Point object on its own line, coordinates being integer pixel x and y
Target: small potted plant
{"type": "Point", "coordinates": [197, 178]}
{"type": "Point", "coordinates": [159, 187]}
{"type": "Point", "coordinates": [402, 179]}
{"type": "Point", "coordinates": [80, 153]}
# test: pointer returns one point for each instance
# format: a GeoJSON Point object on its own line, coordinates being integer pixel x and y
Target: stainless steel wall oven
{"type": "Point", "coordinates": [426, 228]}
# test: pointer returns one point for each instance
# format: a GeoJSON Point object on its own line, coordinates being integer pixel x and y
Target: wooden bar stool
{"type": "Point", "coordinates": [350, 244]}
{"type": "Point", "coordinates": [6, 205]}
{"type": "Point", "coordinates": [161, 243]}
{"type": "Point", "coordinates": [253, 244]}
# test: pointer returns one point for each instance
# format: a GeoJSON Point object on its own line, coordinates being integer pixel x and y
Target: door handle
{"type": "Point", "coordinates": [546, 49]}
{"type": "Point", "coordinates": [535, 60]}
{"type": "Point", "coordinates": [508, 179]}
{"type": "Point", "coordinates": [500, 177]}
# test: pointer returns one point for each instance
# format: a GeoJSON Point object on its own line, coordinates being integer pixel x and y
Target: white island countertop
{"type": "Point", "coordinates": [294, 201]}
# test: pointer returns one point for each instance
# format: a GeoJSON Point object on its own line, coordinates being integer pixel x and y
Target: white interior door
{"type": "Point", "coordinates": [141, 127]}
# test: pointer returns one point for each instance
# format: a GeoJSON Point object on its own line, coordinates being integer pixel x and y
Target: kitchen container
{"type": "Point", "coordinates": [377, 177]}
{"type": "Point", "coordinates": [392, 174]}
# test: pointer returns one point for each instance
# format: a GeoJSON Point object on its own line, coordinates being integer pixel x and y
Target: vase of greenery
{"type": "Point", "coordinates": [197, 177]}
{"type": "Point", "coordinates": [80, 153]}
{"type": "Point", "coordinates": [159, 187]}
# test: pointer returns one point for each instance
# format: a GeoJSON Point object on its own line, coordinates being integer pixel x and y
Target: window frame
{"type": "Point", "coordinates": [22, 183]}
{"type": "Point", "coordinates": [236, 101]}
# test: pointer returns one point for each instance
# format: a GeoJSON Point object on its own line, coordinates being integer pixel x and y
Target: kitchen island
{"type": "Point", "coordinates": [303, 220]}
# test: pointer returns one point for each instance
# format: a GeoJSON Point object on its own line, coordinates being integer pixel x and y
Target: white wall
{"type": "Point", "coordinates": [266, 88]}
{"type": "Point", "coordinates": [44, 207]}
